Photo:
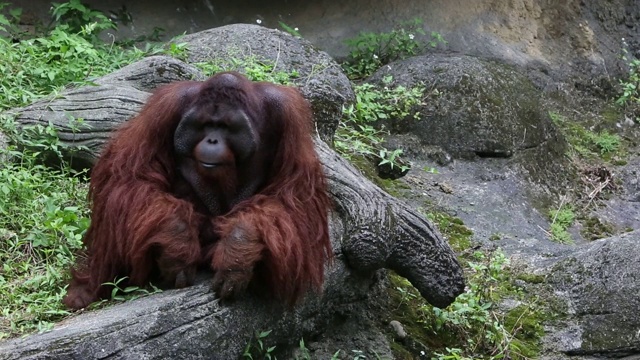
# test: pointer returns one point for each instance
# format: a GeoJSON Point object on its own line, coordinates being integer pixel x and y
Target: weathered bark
{"type": "Point", "coordinates": [113, 99]}
{"type": "Point", "coordinates": [100, 108]}
{"type": "Point", "coordinates": [381, 232]}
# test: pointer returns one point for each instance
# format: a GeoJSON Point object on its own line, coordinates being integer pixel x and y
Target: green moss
{"type": "Point", "coordinates": [454, 230]}
{"type": "Point", "coordinates": [525, 323]}
{"type": "Point", "coordinates": [531, 278]}
{"type": "Point", "coordinates": [368, 169]}
{"type": "Point", "coordinates": [557, 308]}
{"type": "Point", "coordinates": [393, 187]}
{"type": "Point", "coordinates": [365, 166]}
{"type": "Point", "coordinates": [407, 307]}
{"type": "Point", "coordinates": [612, 115]}
{"type": "Point", "coordinates": [594, 229]}
{"type": "Point", "coordinates": [400, 352]}
{"type": "Point", "coordinates": [462, 324]}
{"type": "Point", "coordinates": [588, 144]}
{"type": "Point", "coordinates": [495, 237]}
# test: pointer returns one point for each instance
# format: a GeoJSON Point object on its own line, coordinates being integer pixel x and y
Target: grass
{"type": "Point", "coordinates": [360, 134]}
{"type": "Point", "coordinates": [43, 216]}
{"type": "Point", "coordinates": [561, 220]}
{"type": "Point", "coordinates": [43, 204]}
{"type": "Point", "coordinates": [588, 144]}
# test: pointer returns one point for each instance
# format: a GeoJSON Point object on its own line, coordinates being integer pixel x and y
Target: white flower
{"type": "Point", "coordinates": [411, 36]}
{"type": "Point", "coordinates": [375, 56]}
{"type": "Point", "coordinates": [259, 21]}
{"type": "Point", "coordinates": [296, 29]}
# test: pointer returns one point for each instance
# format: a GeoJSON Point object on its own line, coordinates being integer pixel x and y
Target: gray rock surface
{"type": "Point", "coordinates": [478, 109]}
{"type": "Point", "coordinates": [623, 211]}
{"type": "Point", "coordinates": [599, 286]}
{"type": "Point", "coordinates": [591, 290]}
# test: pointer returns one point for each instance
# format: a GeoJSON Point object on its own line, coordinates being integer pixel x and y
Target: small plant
{"type": "Point", "coordinates": [630, 85]}
{"type": "Point", "coordinates": [289, 29]}
{"type": "Point", "coordinates": [259, 350]}
{"type": "Point", "coordinates": [370, 51]}
{"type": "Point", "coordinates": [473, 305]}
{"type": "Point", "coordinates": [405, 294]}
{"type": "Point", "coordinates": [452, 354]}
{"type": "Point", "coordinates": [254, 68]}
{"type": "Point", "coordinates": [586, 143]}
{"type": "Point", "coordinates": [388, 102]}
{"type": "Point", "coordinates": [391, 158]}
{"type": "Point", "coordinates": [303, 352]}
{"type": "Point", "coordinates": [75, 17]}
{"type": "Point", "coordinates": [177, 50]}
{"type": "Point", "coordinates": [607, 143]}
{"type": "Point", "coordinates": [358, 355]}
{"type": "Point", "coordinates": [357, 136]}
{"type": "Point", "coordinates": [561, 220]}
{"type": "Point", "coordinates": [120, 293]}
{"type": "Point", "coordinates": [430, 170]}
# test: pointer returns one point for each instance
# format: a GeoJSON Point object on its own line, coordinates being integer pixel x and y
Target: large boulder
{"type": "Point", "coordinates": [597, 288]}
{"type": "Point", "coordinates": [473, 106]}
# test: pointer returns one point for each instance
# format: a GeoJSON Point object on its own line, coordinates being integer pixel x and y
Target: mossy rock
{"type": "Point", "coordinates": [474, 107]}
{"type": "Point", "coordinates": [599, 283]}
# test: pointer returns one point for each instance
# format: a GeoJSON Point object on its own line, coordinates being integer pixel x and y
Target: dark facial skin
{"type": "Point", "coordinates": [217, 145]}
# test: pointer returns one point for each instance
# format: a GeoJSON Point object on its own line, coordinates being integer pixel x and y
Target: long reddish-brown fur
{"type": "Point", "coordinates": [137, 222]}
